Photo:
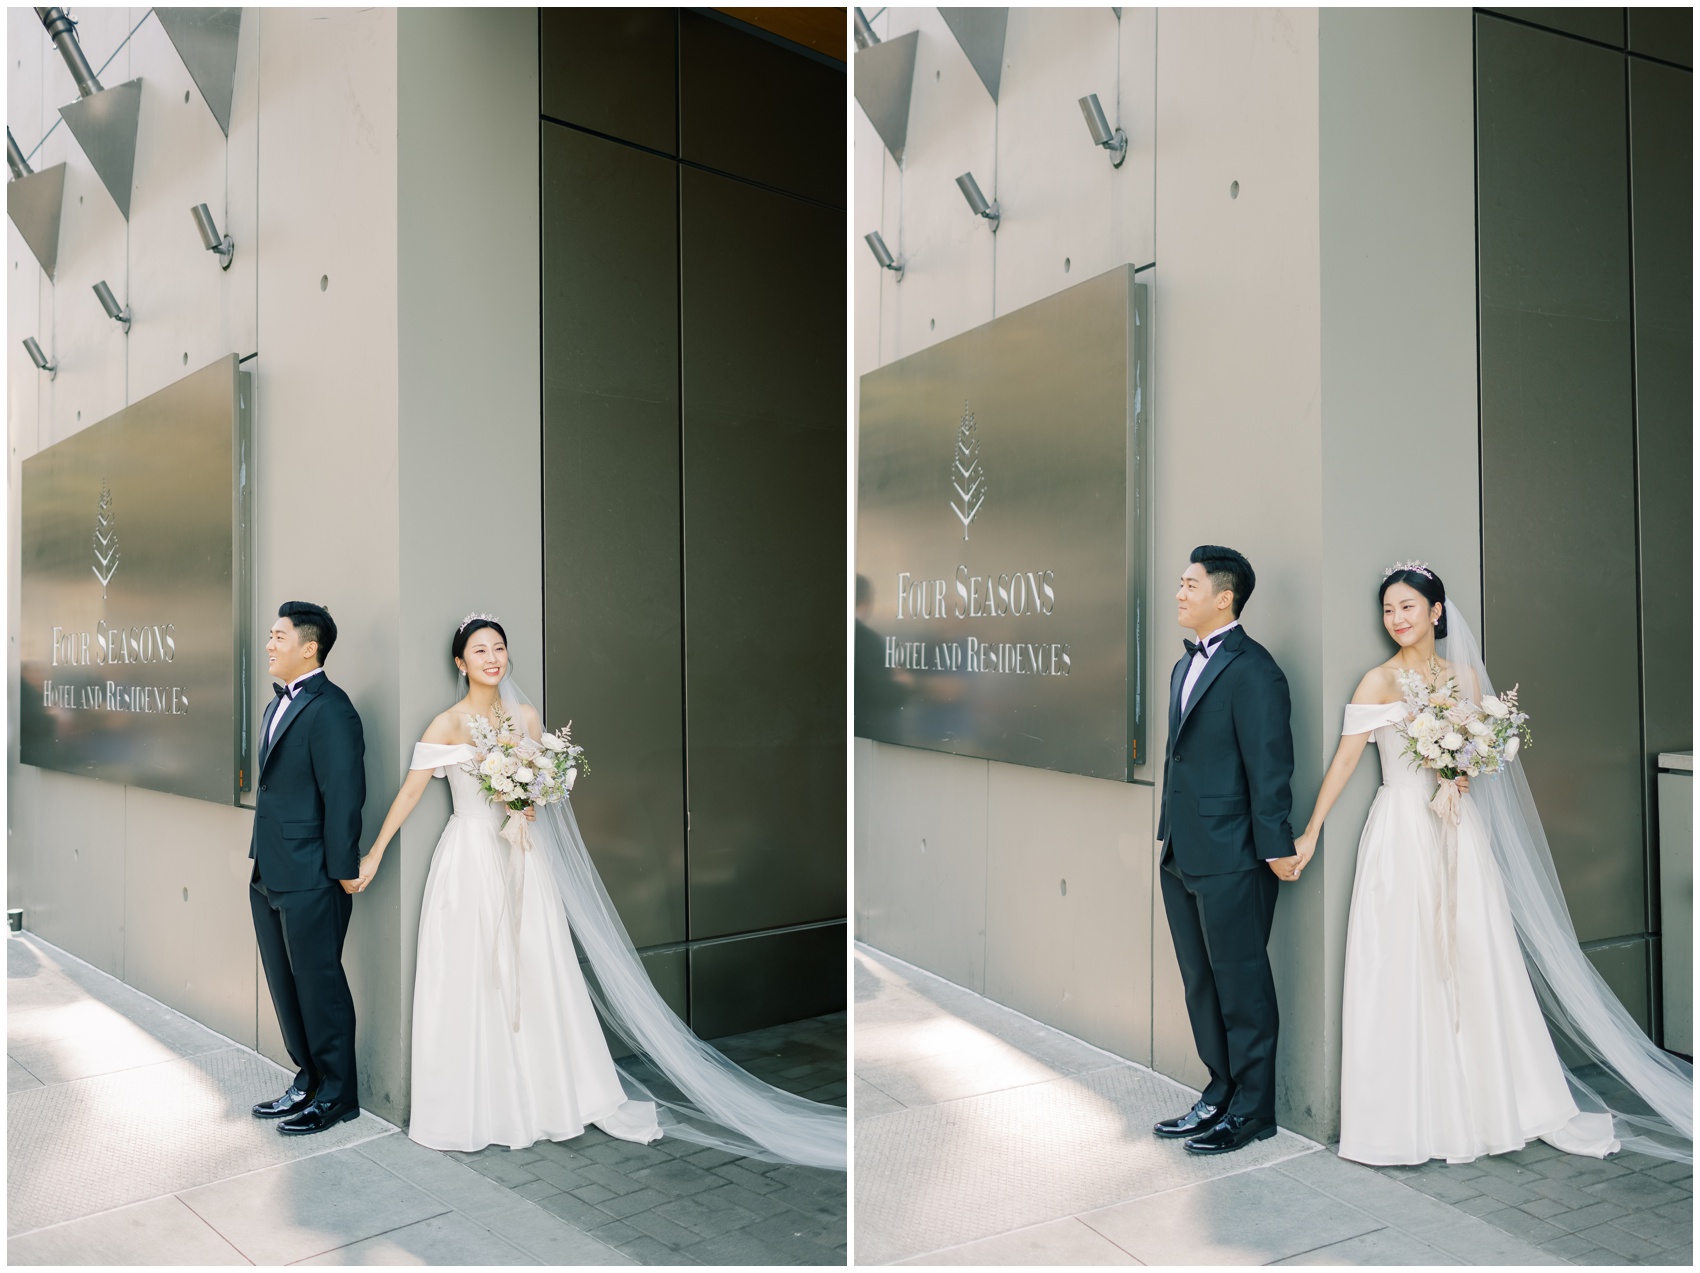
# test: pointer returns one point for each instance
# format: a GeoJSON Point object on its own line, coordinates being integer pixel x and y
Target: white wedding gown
{"type": "Point", "coordinates": [1441, 1058]}
{"type": "Point", "coordinates": [477, 1079]}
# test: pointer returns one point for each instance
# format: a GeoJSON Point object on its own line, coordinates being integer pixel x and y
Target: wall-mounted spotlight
{"type": "Point", "coordinates": [977, 201]}
{"type": "Point", "coordinates": [224, 245]}
{"type": "Point", "coordinates": [119, 314]}
{"type": "Point", "coordinates": [882, 254]}
{"type": "Point", "coordinates": [42, 362]}
{"type": "Point", "coordinates": [1113, 140]}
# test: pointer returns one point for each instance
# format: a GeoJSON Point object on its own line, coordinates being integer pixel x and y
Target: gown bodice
{"type": "Point", "coordinates": [446, 761]}
{"type": "Point", "coordinates": [1381, 721]}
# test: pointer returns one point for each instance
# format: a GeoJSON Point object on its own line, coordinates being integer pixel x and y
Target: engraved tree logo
{"type": "Point", "coordinates": [967, 477]}
{"type": "Point", "coordinates": [105, 540]}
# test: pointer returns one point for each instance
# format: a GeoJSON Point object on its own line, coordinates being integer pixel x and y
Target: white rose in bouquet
{"type": "Point", "coordinates": [1429, 749]}
{"type": "Point", "coordinates": [1495, 707]}
{"type": "Point", "coordinates": [1477, 729]}
{"type": "Point", "coordinates": [523, 776]}
{"type": "Point", "coordinates": [492, 766]}
{"type": "Point", "coordinates": [553, 742]}
{"type": "Point", "coordinates": [1513, 745]}
{"type": "Point", "coordinates": [1453, 741]}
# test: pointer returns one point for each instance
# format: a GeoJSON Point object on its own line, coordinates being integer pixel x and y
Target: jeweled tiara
{"type": "Point", "coordinates": [488, 618]}
{"type": "Point", "coordinates": [1421, 567]}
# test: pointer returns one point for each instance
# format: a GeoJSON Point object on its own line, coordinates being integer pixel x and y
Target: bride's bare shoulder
{"type": "Point", "coordinates": [1380, 685]}
{"type": "Point", "coordinates": [448, 728]}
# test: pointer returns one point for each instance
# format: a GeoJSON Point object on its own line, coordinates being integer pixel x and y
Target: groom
{"type": "Point", "coordinates": [1227, 797]}
{"type": "Point", "coordinates": [306, 851]}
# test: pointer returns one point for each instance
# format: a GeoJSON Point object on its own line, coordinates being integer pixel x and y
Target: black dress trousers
{"type": "Point", "coordinates": [1220, 925]}
{"type": "Point", "coordinates": [300, 934]}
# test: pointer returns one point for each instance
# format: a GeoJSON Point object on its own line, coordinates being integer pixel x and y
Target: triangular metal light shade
{"type": "Point", "coordinates": [33, 203]}
{"type": "Point", "coordinates": [885, 79]}
{"type": "Point", "coordinates": [105, 127]}
{"type": "Point", "coordinates": [206, 41]}
{"type": "Point", "coordinates": [980, 32]}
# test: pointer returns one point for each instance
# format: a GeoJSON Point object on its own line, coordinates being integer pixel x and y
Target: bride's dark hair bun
{"type": "Point", "coordinates": [463, 634]}
{"type": "Point", "coordinates": [1426, 582]}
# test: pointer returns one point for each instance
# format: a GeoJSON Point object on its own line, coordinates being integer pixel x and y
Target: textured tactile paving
{"type": "Point", "coordinates": [102, 1142]}
{"type": "Point", "coordinates": [945, 1174]}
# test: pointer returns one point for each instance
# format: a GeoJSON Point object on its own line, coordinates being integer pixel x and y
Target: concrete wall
{"type": "Point", "coordinates": [364, 149]}
{"type": "Point", "coordinates": [1300, 331]}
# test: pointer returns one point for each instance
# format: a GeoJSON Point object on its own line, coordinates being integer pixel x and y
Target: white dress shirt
{"type": "Point", "coordinates": [284, 703]}
{"type": "Point", "coordinates": [1211, 643]}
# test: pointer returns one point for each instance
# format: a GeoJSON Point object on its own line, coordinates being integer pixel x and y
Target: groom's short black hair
{"type": "Point", "coordinates": [1227, 569]}
{"type": "Point", "coordinates": [314, 623]}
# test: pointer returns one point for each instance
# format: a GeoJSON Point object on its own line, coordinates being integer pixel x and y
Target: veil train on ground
{"type": "Point", "coordinates": [1612, 1066]}
{"type": "Point", "coordinates": [700, 1096]}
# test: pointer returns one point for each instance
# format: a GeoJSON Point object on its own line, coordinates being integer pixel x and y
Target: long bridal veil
{"type": "Point", "coordinates": [1611, 1064]}
{"type": "Point", "coordinates": [700, 1095]}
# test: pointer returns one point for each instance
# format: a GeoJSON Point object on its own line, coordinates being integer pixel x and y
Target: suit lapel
{"type": "Point", "coordinates": [304, 699]}
{"type": "Point", "coordinates": [1177, 678]}
{"type": "Point", "coordinates": [1225, 654]}
{"type": "Point", "coordinates": [266, 728]}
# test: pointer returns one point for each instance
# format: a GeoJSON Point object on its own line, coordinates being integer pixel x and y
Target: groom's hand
{"type": "Point", "coordinates": [1285, 868]}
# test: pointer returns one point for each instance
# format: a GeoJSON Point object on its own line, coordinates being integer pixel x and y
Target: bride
{"type": "Point", "coordinates": [507, 1047]}
{"type": "Point", "coordinates": [1445, 1053]}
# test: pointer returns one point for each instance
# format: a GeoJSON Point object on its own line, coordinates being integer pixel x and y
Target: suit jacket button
{"type": "Point", "coordinates": [262, 786]}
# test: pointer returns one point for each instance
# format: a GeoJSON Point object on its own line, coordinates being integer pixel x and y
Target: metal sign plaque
{"type": "Point", "coordinates": [1001, 537]}
{"type": "Point", "coordinates": [135, 631]}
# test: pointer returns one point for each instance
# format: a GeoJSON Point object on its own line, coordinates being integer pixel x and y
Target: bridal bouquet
{"type": "Point", "coordinates": [1446, 732]}
{"type": "Point", "coordinates": [519, 772]}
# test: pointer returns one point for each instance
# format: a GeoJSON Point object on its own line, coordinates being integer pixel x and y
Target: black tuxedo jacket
{"type": "Point", "coordinates": [312, 784]}
{"type": "Point", "coordinates": [1228, 766]}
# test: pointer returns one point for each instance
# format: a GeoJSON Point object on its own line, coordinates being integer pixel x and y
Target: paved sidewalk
{"type": "Point", "coordinates": [678, 1203]}
{"type": "Point", "coordinates": [984, 1137]}
{"type": "Point", "coordinates": [129, 1141]}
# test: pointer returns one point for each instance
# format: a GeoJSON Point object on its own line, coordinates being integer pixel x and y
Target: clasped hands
{"type": "Point", "coordinates": [1290, 868]}
{"type": "Point", "coordinates": [369, 863]}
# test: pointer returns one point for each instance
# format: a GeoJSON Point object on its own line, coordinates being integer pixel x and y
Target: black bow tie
{"type": "Point", "coordinates": [281, 690]}
{"type": "Point", "coordinates": [1205, 647]}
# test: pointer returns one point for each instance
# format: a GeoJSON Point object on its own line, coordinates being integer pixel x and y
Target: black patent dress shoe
{"type": "Point", "coordinates": [318, 1116]}
{"type": "Point", "coordinates": [291, 1102]}
{"type": "Point", "coordinates": [1195, 1122]}
{"type": "Point", "coordinates": [1235, 1131]}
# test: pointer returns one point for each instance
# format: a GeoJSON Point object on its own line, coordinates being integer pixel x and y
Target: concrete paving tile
{"type": "Point", "coordinates": [1657, 1229]}
{"type": "Point", "coordinates": [741, 1175]}
{"type": "Point", "coordinates": [1638, 1192]}
{"type": "Point", "coordinates": [622, 1205]}
{"type": "Point", "coordinates": [558, 1174]}
{"type": "Point", "coordinates": [1452, 1229]}
{"type": "Point", "coordinates": [662, 1229]}
{"type": "Point", "coordinates": [1570, 1247]}
{"type": "Point", "coordinates": [581, 1215]}
{"type": "Point", "coordinates": [950, 1076]}
{"type": "Point", "coordinates": [870, 1102]}
{"type": "Point", "coordinates": [1255, 1217]}
{"type": "Point", "coordinates": [766, 1243]}
{"type": "Point", "coordinates": [444, 1239]}
{"type": "Point", "coordinates": [1676, 1210]}
{"type": "Point", "coordinates": [704, 1221]}
{"type": "Point", "coordinates": [1563, 1191]}
{"type": "Point", "coordinates": [1495, 1187]}
{"type": "Point", "coordinates": [1543, 1208]}
{"type": "Point", "coordinates": [706, 1158]}
{"type": "Point", "coordinates": [1636, 1162]}
{"type": "Point", "coordinates": [646, 1250]}
{"type": "Point", "coordinates": [593, 1194]}
{"type": "Point", "coordinates": [1059, 1242]}
{"type": "Point", "coordinates": [535, 1190]}
{"type": "Point", "coordinates": [499, 1169]}
{"type": "Point", "coordinates": [1380, 1247]}
{"type": "Point", "coordinates": [678, 1178]}
{"type": "Point", "coordinates": [1574, 1218]}
{"type": "Point", "coordinates": [616, 1233]}
{"type": "Point", "coordinates": [1614, 1238]}
{"type": "Point", "coordinates": [1600, 1256]}
{"type": "Point", "coordinates": [163, 1231]}
{"type": "Point", "coordinates": [1672, 1172]}
{"type": "Point", "coordinates": [550, 1240]}
{"type": "Point", "coordinates": [301, 1209]}
{"type": "Point", "coordinates": [1480, 1205]}
{"type": "Point", "coordinates": [1521, 1224]}
{"type": "Point", "coordinates": [100, 1042]}
{"type": "Point", "coordinates": [17, 1077]}
{"type": "Point", "coordinates": [1452, 1189]}
{"type": "Point", "coordinates": [760, 1204]}
{"type": "Point", "coordinates": [609, 1178]}
{"type": "Point", "coordinates": [560, 1152]}
{"type": "Point", "coordinates": [1581, 1172]}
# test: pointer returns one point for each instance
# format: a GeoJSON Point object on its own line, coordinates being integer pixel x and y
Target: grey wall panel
{"type": "Point", "coordinates": [1666, 33]}
{"type": "Point", "coordinates": [613, 659]}
{"type": "Point", "coordinates": [756, 981]}
{"type": "Point", "coordinates": [613, 71]}
{"type": "Point", "coordinates": [1661, 140]}
{"type": "Point", "coordinates": [1557, 447]}
{"type": "Point", "coordinates": [763, 419]}
{"type": "Point", "coordinates": [750, 107]}
{"type": "Point", "coordinates": [1625, 968]}
{"type": "Point", "coordinates": [1604, 25]}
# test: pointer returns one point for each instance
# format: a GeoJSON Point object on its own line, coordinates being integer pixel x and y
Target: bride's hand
{"type": "Point", "coordinates": [531, 813]}
{"type": "Point", "coordinates": [1463, 784]}
{"type": "Point", "coordinates": [368, 870]}
{"type": "Point", "coordinates": [1305, 847]}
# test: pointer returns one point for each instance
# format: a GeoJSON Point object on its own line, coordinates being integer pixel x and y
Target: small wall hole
{"type": "Point", "coordinates": [1234, 190]}
{"type": "Point", "coordinates": [324, 282]}
{"type": "Point", "coordinates": [1063, 888]}
{"type": "Point", "coordinates": [185, 357]}
{"type": "Point", "coordinates": [185, 97]}
{"type": "Point", "coordinates": [185, 895]}
{"type": "Point", "coordinates": [932, 323]}
{"type": "Point", "coordinates": [1066, 264]}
